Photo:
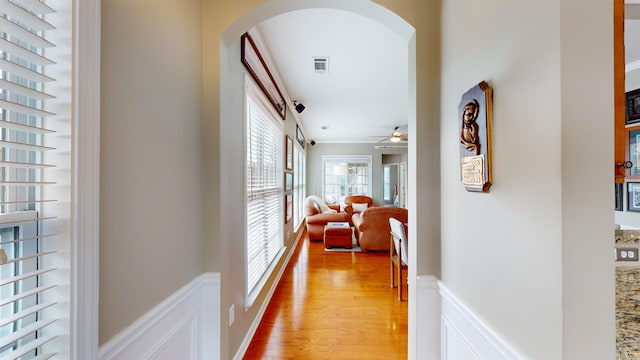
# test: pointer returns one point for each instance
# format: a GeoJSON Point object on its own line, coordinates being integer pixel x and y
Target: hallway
{"type": "Point", "coordinates": [333, 305]}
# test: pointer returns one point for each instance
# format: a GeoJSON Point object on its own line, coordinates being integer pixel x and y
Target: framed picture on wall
{"type": "Point", "coordinates": [288, 181]}
{"type": "Point", "coordinates": [289, 159]}
{"type": "Point", "coordinates": [632, 106]}
{"type": "Point", "coordinates": [254, 63]}
{"type": "Point", "coordinates": [300, 136]}
{"type": "Point", "coordinates": [632, 154]}
{"type": "Point", "coordinates": [633, 196]}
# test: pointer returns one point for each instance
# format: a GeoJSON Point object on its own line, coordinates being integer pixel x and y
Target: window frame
{"type": "Point", "coordinates": [346, 159]}
{"type": "Point", "coordinates": [299, 184]}
{"type": "Point", "coordinates": [252, 90]}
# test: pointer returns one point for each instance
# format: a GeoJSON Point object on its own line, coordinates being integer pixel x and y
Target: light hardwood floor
{"type": "Point", "coordinates": [333, 305]}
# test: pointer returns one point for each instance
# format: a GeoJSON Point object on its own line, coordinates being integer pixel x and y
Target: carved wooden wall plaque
{"type": "Point", "coordinates": [474, 124]}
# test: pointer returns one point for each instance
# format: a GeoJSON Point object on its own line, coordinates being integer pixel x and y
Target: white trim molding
{"type": "Point", "coordinates": [86, 192]}
{"type": "Point", "coordinates": [465, 336]}
{"type": "Point", "coordinates": [186, 325]}
{"type": "Point", "coordinates": [635, 65]}
{"type": "Point", "coordinates": [427, 318]}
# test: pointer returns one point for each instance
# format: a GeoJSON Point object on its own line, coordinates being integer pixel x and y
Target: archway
{"type": "Point", "coordinates": [231, 144]}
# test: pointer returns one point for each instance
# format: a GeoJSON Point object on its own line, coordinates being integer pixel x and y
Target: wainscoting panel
{"type": "Point", "coordinates": [464, 336]}
{"type": "Point", "coordinates": [184, 326]}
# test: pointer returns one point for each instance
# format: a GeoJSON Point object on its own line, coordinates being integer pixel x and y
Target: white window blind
{"type": "Point", "coordinates": [25, 305]}
{"type": "Point", "coordinates": [265, 195]}
{"type": "Point", "coordinates": [299, 184]}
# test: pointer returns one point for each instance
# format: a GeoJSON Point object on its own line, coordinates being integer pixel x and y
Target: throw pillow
{"type": "Point", "coordinates": [359, 207]}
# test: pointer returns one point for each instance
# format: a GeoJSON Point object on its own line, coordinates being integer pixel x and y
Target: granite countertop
{"type": "Point", "coordinates": [628, 312]}
{"type": "Point", "coordinates": [627, 237]}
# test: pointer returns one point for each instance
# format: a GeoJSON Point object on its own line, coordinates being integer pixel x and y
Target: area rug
{"type": "Point", "coordinates": [354, 248]}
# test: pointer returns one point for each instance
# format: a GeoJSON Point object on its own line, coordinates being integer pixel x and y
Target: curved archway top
{"type": "Point", "coordinates": [273, 8]}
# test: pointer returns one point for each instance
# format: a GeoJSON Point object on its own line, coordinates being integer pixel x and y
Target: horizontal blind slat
{"type": "Point", "coordinates": [23, 165]}
{"type": "Point", "coordinates": [24, 109]}
{"type": "Point", "coordinates": [24, 72]}
{"type": "Point", "coordinates": [32, 328]}
{"type": "Point", "coordinates": [35, 6]}
{"type": "Point", "coordinates": [27, 201]}
{"type": "Point", "coordinates": [23, 146]}
{"type": "Point", "coordinates": [26, 183]}
{"type": "Point", "coordinates": [25, 128]}
{"type": "Point", "coordinates": [20, 15]}
{"type": "Point", "coordinates": [18, 89]}
{"type": "Point", "coordinates": [24, 34]}
{"type": "Point", "coordinates": [31, 346]}
{"type": "Point", "coordinates": [25, 294]}
{"type": "Point", "coordinates": [19, 221]}
{"type": "Point", "coordinates": [26, 276]}
{"type": "Point", "coordinates": [27, 239]}
{"type": "Point", "coordinates": [32, 256]}
{"type": "Point", "coordinates": [22, 314]}
{"type": "Point", "coordinates": [46, 356]}
{"type": "Point", "coordinates": [24, 53]}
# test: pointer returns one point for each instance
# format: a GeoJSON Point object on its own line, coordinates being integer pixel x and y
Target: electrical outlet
{"type": "Point", "coordinates": [626, 254]}
{"type": "Point", "coordinates": [232, 310]}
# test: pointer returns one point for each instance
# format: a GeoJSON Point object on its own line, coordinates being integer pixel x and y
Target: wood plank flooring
{"type": "Point", "coordinates": [333, 305]}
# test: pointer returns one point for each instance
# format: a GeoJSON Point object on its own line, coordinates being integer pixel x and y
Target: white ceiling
{"type": "Point", "coordinates": [364, 95]}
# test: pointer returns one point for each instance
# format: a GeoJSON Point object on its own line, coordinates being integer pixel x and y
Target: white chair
{"type": "Point", "coordinates": [398, 253]}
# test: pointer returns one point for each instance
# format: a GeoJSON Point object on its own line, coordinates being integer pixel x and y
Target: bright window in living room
{"type": "Point", "coordinates": [265, 194]}
{"type": "Point", "coordinates": [345, 175]}
{"type": "Point", "coordinates": [299, 184]}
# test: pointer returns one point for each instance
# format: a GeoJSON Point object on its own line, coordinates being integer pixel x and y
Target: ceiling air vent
{"type": "Point", "coordinates": [321, 65]}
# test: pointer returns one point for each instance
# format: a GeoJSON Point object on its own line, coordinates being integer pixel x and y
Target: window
{"type": "Point", "coordinates": [346, 175]}
{"type": "Point", "coordinates": [265, 195]}
{"type": "Point", "coordinates": [386, 183]}
{"type": "Point", "coordinates": [34, 293]}
{"type": "Point", "coordinates": [299, 184]}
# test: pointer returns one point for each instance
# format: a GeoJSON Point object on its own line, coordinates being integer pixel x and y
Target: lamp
{"type": "Point", "coordinates": [298, 106]}
{"type": "Point", "coordinates": [341, 169]}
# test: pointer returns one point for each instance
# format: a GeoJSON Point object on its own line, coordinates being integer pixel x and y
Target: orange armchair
{"type": "Point", "coordinates": [359, 200]}
{"type": "Point", "coordinates": [317, 215]}
{"type": "Point", "coordinates": [372, 226]}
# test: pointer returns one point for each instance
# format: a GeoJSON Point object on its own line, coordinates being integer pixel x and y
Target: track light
{"type": "Point", "coordinates": [298, 106]}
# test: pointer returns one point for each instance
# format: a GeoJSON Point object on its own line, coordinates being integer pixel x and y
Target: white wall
{"type": "Point", "coordinates": [151, 207]}
{"type": "Point", "coordinates": [508, 255]}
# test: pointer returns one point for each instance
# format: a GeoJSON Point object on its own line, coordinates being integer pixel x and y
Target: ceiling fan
{"type": "Point", "coordinates": [396, 136]}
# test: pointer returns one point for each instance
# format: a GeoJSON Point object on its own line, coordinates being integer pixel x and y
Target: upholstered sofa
{"type": "Point", "coordinates": [318, 214]}
{"type": "Point", "coordinates": [356, 203]}
{"type": "Point", "coordinates": [372, 228]}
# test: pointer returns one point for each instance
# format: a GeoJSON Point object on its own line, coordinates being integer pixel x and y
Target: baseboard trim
{"type": "Point", "coordinates": [465, 336]}
{"type": "Point", "coordinates": [183, 326]}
